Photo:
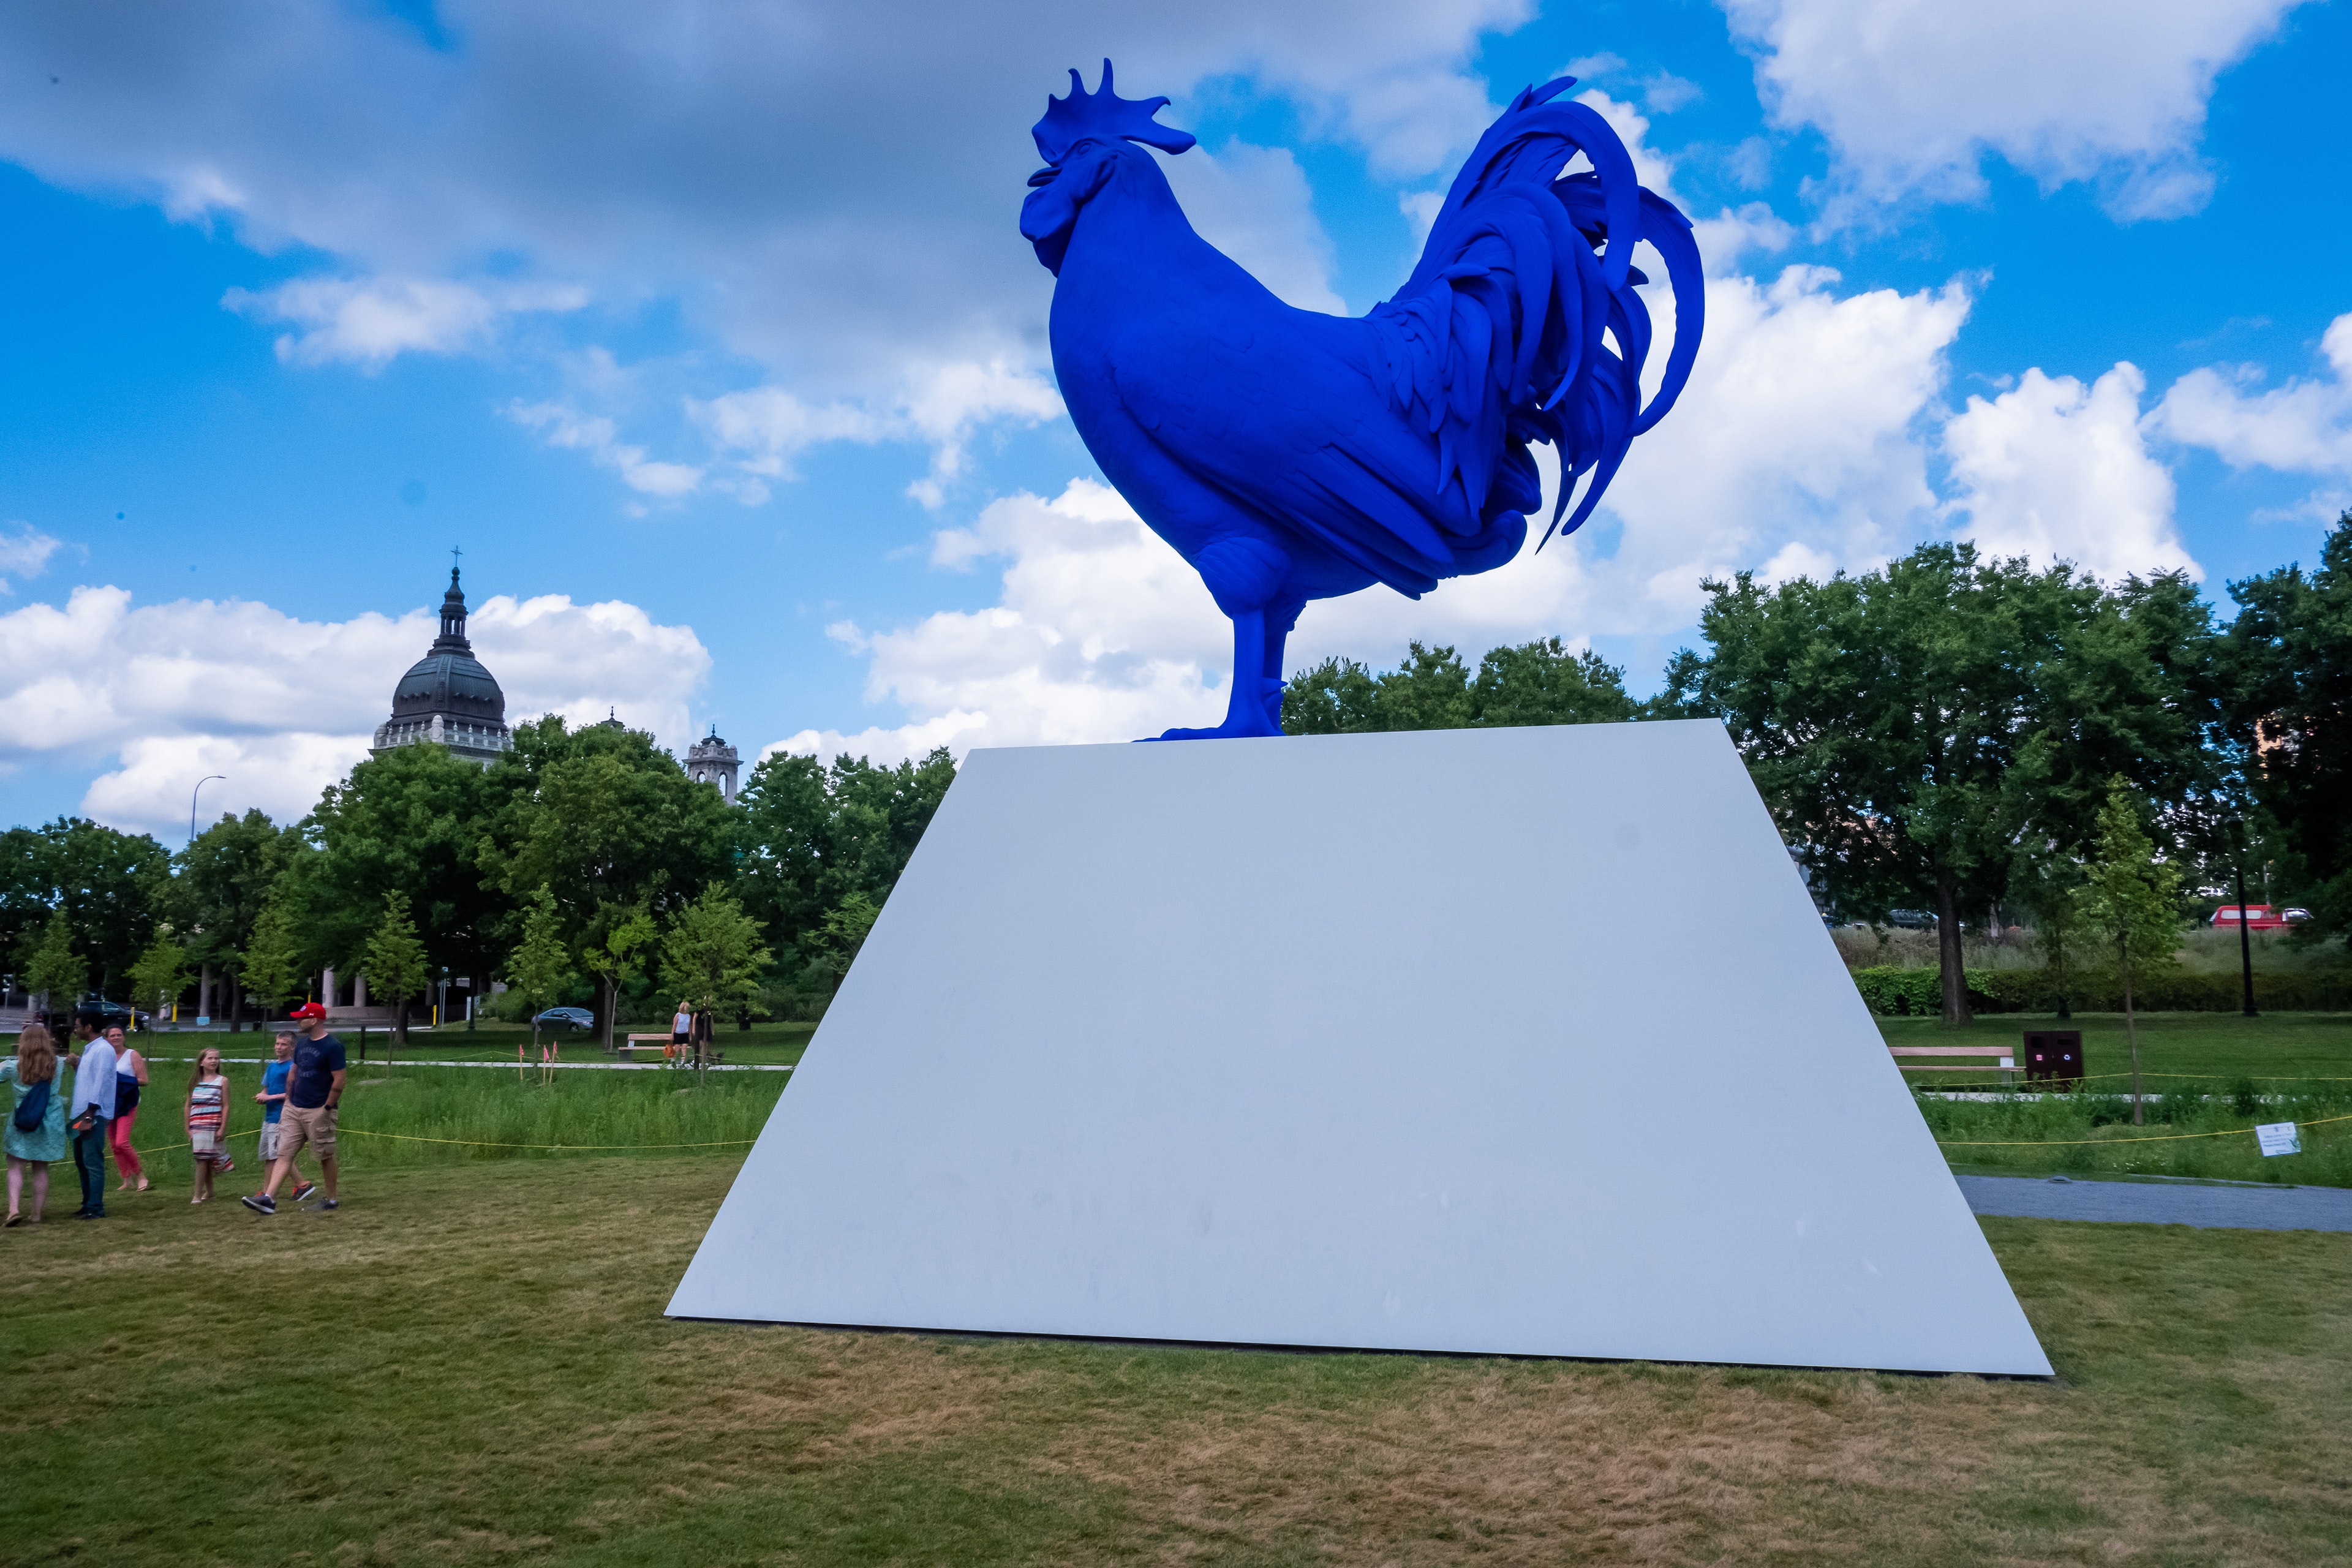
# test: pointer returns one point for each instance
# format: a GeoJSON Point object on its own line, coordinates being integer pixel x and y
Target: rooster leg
{"type": "Point", "coordinates": [1254, 705]}
{"type": "Point", "coordinates": [1280, 617]}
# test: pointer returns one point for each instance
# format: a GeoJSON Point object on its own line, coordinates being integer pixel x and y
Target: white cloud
{"type": "Point", "coordinates": [1253, 204]}
{"type": "Point", "coordinates": [560, 425]}
{"type": "Point", "coordinates": [1665, 93]}
{"type": "Point", "coordinates": [370, 320]}
{"type": "Point", "coordinates": [283, 706]}
{"type": "Point", "coordinates": [2056, 470]}
{"type": "Point", "coordinates": [762, 429]}
{"type": "Point", "coordinates": [1912, 94]}
{"type": "Point", "coordinates": [24, 553]}
{"type": "Point", "coordinates": [2302, 427]}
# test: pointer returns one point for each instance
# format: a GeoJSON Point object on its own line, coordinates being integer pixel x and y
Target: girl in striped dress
{"type": "Point", "coordinates": [207, 1119]}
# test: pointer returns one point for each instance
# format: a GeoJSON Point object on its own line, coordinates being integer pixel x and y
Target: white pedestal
{"type": "Point", "coordinates": [1521, 1041]}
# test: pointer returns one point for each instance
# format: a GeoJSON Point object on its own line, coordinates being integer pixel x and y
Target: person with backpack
{"type": "Point", "coordinates": [35, 1134]}
{"type": "Point", "coordinates": [130, 1079]}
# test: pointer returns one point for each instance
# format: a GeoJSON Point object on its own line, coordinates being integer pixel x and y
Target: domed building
{"type": "Point", "coordinates": [447, 696]}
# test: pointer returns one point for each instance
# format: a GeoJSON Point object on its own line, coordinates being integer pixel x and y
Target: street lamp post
{"type": "Point", "coordinates": [192, 801]}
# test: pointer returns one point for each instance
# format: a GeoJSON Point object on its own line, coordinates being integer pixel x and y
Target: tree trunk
{"type": "Point", "coordinates": [2245, 945]}
{"type": "Point", "coordinates": [1948, 955]}
{"type": "Point", "coordinates": [611, 986]}
{"type": "Point", "coordinates": [399, 1030]}
{"type": "Point", "coordinates": [2131, 1031]}
{"type": "Point", "coordinates": [235, 1006]}
{"type": "Point", "coordinates": [205, 994]}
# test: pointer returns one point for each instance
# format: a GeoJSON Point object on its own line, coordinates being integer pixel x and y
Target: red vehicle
{"type": "Point", "coordinates": [2258, 917]}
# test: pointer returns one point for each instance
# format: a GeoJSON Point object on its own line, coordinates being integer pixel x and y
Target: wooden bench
{"type": "Point", "coordinates": [643, 1043]}
{"type": "Point", "coordinates": [2007, 1055]}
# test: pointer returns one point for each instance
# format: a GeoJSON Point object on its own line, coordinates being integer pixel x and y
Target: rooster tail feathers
{"type": "Point", "coordinates": [1503, 332]}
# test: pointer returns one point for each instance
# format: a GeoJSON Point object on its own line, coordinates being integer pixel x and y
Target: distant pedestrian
{"type": "Point", "coordinates": [271, 1097]}
{"type": "Point", "coordinates": [90, 1114]}
{"type": "Point", "coordinates": [130, 1080]}
{"type": "Point", "coordinates": [312, 1097]}
{"type": "Point", "coordinates": [681, 1032]}
{"type": "Point", "coordinates": [38, 1100]}
{"type": "Point", "coordinates": [207, 1118]}
{"type": "Point", "coordinates": [706, 1030]}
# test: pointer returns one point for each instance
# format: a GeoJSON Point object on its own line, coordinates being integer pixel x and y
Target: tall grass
{"type": "Point", "coordinates": [2085, 1133]}
{"type": "Point", "coordinates": [429, 1116]}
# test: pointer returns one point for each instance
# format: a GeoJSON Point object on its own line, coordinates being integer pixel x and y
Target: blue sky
{"type": "Point", "coordinates": [708, 334]}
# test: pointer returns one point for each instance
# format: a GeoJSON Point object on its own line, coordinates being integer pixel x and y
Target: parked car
{"type": "Point", "coordinates": [2291, 916]}
{"type": "Point", "coordinates": [566, 1018]}
{"type": "Point", "coordinates": [112, 1013]}
{"type": "Point", "coordinates": [2257, 917]}
{"type": "Point", "coordinates": [1911, 920]}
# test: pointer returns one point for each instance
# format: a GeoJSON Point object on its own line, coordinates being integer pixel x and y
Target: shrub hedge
{"type": "Point", "coordinates": [1919, 992]}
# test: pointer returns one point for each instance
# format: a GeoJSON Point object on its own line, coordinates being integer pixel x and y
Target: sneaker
{"type": "Point", "coordinates": [304, 1189]}
{"type": "Point", "coordinates": [330, 1204]}
{"type": "Point", "coordinates": [261, 1203]}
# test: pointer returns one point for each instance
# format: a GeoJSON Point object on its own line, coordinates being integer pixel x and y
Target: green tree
{"type": "Point", "coordinates": [832, 946]}
{"type": "Point", "coordinates": [538, 966]}
{"type": "Point", "coordinates": [815, 836]}
{"type": "Point", "coordinates": [2050, 886]}
{"type": "Point", "coordinates": [1918, 729]}
{"type": "Point", "coordinates": [1541, 682]}
{"type": "Point", "coordinates": [412, 821]}
{"type": "Point", "coordinates": [54, 971]}
{"type": "Point", "coordinates": [110, 887]}
{"type": "Point", "coordinates": [396, 963]}
{"type": "Point", "coordinates": [2287, 664]}
{"type": "Point", "coordinates": [2131, 900]}
{"type": "Point", "coordinates": [604, 821]}
{"type": "Point", "coordinates": [226, 874]}
{"type": "Point", "coordinates": [273, 960]}
{"type": "Point", "coordinates": [613, 957]}
{"type": "Point", "coordinates": [712, 955]}
{"type": "Point", "coordinates": [161, 973]}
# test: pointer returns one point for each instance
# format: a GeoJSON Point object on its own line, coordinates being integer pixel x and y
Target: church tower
{"type": "Point", "coordinates": [713, 762]}
{"type": "Point", "coordinates": [447, 696]}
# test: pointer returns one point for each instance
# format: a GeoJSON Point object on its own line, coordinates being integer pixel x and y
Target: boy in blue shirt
{"type": "Point", "coordinates": [274, 1076]}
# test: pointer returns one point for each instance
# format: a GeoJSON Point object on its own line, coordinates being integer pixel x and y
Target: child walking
{"type": "Point", "coordinates": [207, 1119]}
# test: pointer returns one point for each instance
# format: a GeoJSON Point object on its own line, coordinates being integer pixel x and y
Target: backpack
{"type": "Point", "coordinates": [33, 1108]}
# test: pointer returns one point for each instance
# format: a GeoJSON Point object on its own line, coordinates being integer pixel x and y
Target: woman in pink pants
{"type": "Point", "coordinates": [130, 1078]}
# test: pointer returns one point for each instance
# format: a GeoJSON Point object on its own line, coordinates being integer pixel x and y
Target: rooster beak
{"type": "Point", "coordinates": [1045, 176]}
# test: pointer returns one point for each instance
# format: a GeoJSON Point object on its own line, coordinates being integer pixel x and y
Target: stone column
{"type": "Point", "coordinates": [204, 992]}
{"type": "Point", "coordinates": [359, 991]}
{"type": "Point", "coordinates": [327, 986]}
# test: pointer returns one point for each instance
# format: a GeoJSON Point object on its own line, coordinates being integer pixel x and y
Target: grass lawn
{"type": "Point", "coordinates": [2273, 1047]}
{"type": "Point", "coordinates": [468, 1365]}
{"type": "Point", "coordinates": [486, 1042]}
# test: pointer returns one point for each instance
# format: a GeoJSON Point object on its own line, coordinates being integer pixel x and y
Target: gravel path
{"type": "Point", "coordinates": [2165, 1203]}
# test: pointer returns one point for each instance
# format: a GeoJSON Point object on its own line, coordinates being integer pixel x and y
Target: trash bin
{"type": "Point", "coordinates": [2053, 1057]}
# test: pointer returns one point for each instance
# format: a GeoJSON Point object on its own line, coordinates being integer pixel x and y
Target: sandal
{"type": "Point", "coordinates": [14, 1220]}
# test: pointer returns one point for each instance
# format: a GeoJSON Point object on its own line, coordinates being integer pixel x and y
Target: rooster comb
{"type": "Point", "coordinates": [1103, 115]}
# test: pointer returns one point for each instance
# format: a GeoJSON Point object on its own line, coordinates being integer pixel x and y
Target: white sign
{"type": "Point", "coordinates": [2279, 1137]}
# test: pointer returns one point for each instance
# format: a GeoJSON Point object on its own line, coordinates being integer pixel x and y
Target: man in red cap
{"type": "Point", "coordinates": [311, 1099]}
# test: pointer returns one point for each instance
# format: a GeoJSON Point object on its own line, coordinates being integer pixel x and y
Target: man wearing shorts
{"type": "Point", "coordinates": [312, 1099]}
{"type": "Point", "coordinates": [275, 1076]}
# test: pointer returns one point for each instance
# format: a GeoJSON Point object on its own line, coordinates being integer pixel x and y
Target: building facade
{"type": "Point", "coordinates": [447, 697]}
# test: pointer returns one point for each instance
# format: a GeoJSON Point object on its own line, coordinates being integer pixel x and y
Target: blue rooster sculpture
{"type": "Point", "coordinates": [1288, 455]}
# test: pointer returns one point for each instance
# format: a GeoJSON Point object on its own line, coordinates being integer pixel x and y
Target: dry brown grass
{"type": "Point", "coordinates": [469, 1366]}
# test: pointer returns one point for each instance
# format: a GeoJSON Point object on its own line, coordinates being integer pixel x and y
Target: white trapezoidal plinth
{"type": "Point", "coordinates": [1521, 1041]}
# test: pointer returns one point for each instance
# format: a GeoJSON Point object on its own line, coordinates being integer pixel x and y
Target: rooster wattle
{"type": "Point", "coordinates": [1288, 455]}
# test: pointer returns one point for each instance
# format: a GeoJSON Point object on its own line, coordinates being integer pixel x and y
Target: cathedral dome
{"type": "Point", "coordinates": [447, 696]}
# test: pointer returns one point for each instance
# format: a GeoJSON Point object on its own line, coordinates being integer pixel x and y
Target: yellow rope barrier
{"type": "Point", "coordinates": [2145, 1137]}
{"type": "Point", "coordinates": [566, 1148]}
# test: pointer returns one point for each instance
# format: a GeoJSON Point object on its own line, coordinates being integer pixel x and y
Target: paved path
{"type": "Point", "coordinates": [2162, 1202]}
